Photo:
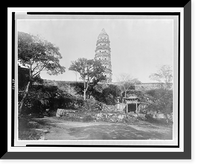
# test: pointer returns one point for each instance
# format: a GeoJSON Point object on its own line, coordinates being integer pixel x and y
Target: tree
{"type": "Point", "coordinates": [161, 101]}
{"type": "Point", "coordinates": [126, 81]}
{"type": "Point", "coordinates": [110, 94]}
{"type": "Point", "coordinates": [163, 75]}
{"type": "Point", "coordinates": [162, 98]}
{"type": "Point", "coordinates": [91, 72]}
{"type": "Point", "coordinates": [37, 55]}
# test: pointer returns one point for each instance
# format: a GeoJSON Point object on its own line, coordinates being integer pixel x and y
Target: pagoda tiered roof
{"type": "Point", "coordinates": [102, 53]}
{"type": "Point", "coordinates": [103, 41]}
{"type": "Point", "coordinates": [102, 48]}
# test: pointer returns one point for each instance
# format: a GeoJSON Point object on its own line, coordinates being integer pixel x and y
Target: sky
{"type": "Point", "coordinates": [139, 47]}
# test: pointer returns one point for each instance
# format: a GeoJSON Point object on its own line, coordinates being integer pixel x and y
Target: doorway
{"type": "Point", "coordinates": [131, 107]}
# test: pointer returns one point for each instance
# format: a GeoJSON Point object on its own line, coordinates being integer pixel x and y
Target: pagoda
{"type": "Point", "coordinates": [102, 53]}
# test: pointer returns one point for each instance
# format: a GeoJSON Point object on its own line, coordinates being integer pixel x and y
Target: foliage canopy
{"type": "Point", "coordinates": [91, 72]}
{"type": "Point", "coordinates": [37, 55]}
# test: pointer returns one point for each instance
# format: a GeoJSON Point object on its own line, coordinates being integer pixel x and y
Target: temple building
{"type": "Point", "coordinates": [102, 53]}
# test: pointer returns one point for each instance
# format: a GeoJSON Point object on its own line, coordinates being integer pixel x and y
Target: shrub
{"type": "Point", "coordinates": [108, 95]}
{"type": "Point", "coordinates": [161, 101]}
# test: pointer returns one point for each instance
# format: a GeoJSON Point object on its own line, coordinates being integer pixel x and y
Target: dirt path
{"type": "Point", "coordinates": [58, 129]}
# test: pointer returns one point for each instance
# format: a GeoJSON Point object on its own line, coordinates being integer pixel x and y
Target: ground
{"type": "Point", "coordinates": [53, 128]}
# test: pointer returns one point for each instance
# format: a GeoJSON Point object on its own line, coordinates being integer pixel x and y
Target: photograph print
{"type": "Point", "coordinates": [109, 80]}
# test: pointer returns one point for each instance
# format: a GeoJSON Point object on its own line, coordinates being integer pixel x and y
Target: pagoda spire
{"type": "Point", "coordinates": [103, 53]}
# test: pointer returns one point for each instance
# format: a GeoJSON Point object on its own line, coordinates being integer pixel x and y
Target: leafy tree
{"type": "Point", "coordinates": [91, 72]}
{"type": "Point", "coordinates": [42, 97]}
{"type": "Point", "coordinates": [126, 81]}
{"type": "Point", "coordinates": [110, 94]}
{"type": "Point", "coordinates": [161, 100]}
{"type": "Point", "coordinates": [163, 75]}
{"type": "Point", "coordinates": [37, 55]}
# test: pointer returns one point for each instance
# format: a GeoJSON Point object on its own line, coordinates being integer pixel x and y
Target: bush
{"type": "Point", "coordinates": [107, 95]}
{"type": "Point", "coordinates": [42, 97]}
{"type": "Point", "coordinates": [161, 100]}
{"type": "Point", "coordinates": [92, 105]}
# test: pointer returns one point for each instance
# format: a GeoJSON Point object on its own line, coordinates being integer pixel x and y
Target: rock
{"type": "Point", "coordinates": [69, 114]}
{"type": "Point", "coordinates": [133, 114]}
{"type": "Point", "coordinates": [170, 117]}
{"type": "Point", "coordinates": [120, 117]}
{"type": "Point", "coordinates": [108, 108]}
{"type": "Point", "coordinates": [59, 113]}
{"type": "Point", "coordinates": [98, 115]}
{"type": "Point", "coordinates": [42, 137]}
{"type": "Point", "coordinates": [64, 112]}
{"type": "Point", "coordinates": [42, 130]}
{"type": "Point", "coordinates": [160, 116]}
{"type": "Point", "coordinates": [141, 116]}
{"type": "Point", "coordinates": [151, 114]}
{"type": "Point", "coordinates": [120, 106]}
{"type": "Point", "coordinates": [33, 124]}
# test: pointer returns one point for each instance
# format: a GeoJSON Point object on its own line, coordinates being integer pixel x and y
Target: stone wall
{"type": "Point", "coordinates": [110, 117]}
{"type": "Point", "coordinates": [117, 116]}
{"type": "Point", "coordinates": [149, 86]}
{"type": "Point", "coordinates": [64, 112]}
{"type": "Point", "coordinates": [90, 116]}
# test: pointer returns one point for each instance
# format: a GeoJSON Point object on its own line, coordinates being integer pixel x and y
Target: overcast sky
{"type": "Point", "coordinates": [139, 47]}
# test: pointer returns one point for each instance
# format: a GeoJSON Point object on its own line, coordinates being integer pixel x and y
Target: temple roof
{"type": "Point", "coordinates": [103, 33]}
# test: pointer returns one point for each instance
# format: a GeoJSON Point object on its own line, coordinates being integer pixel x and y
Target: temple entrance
{"type": "Point", "coordinates": [131, 107]}
{"type": "Point", "coordinates": [132, 104]}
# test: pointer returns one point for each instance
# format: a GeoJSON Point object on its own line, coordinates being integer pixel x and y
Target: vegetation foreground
{"type": "Point", "coordinates": [52, 128]}
{"type": "Point", "coordinates": [91, 98]}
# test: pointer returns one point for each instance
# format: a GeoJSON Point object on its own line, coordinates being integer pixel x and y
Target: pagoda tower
{"type": "Point", "coordinates": [102, 53]}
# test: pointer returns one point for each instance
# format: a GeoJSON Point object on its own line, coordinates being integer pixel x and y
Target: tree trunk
{"type": "Point", "coordinates": [24, 96]}
{"type": "Point", "coordinates": [84, 90]}
{"type": "Point", "coordinates": [125, 94]}
{"type": "Point", "coordinates": [84, 95]}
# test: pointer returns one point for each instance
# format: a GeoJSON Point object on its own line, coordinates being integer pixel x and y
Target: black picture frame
{"type": "Point", "coordinates": [186, 154]}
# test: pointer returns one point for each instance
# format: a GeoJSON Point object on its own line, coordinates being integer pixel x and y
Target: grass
{"type": "Point", "coordinates": [116, 131]}
{"type": "Point", "coordinates": [26, 129]}
{"type": "Point", "coordinates": [161, 122]}
{"type": "Point", "coordinates": [109, 130]}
